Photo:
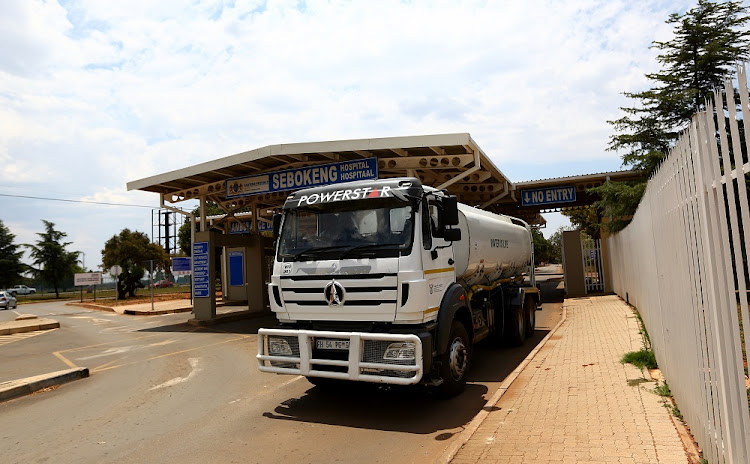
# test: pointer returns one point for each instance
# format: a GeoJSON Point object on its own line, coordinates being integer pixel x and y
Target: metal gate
{"type": "Point", "coordinates": [593, 270]}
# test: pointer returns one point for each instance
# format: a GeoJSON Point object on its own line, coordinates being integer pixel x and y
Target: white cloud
{"type": "Point", "coordinates": [96, 94]}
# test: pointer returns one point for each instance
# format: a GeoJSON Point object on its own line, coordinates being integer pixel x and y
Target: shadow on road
{"type": "Point", "coordinates": [244, 327]}
{"type": "Point", "coordinates": [550, 292]}
{"type": "Point", "coordinates": [397, 409]}
{"type": "Point", "coordinates": [415, 409]}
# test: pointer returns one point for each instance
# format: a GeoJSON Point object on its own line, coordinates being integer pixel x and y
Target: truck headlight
{"type": "Point", "coordinates": [403, 351]}
{"type": "Point", "coordinates": [279, 346]}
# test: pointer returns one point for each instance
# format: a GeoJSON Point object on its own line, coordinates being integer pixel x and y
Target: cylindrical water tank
{"type": "Point", "coordinates": [492, 247]}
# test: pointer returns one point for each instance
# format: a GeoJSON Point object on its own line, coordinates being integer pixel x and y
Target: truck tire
{"type": "Point", "coordinates": [530, 307]}
{"type": "Point", "coordinates": [516, 324]}
{"type": "Point", "coordinates": [455, 362]}
{"type": "Point", "coordinates": [32, 292]}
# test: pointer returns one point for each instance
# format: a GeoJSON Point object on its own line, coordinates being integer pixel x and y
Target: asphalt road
{"type": "Point", "coordinates": [163, 391]}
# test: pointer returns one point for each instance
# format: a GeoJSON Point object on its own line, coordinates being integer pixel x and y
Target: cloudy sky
{"type": "Point", "coordinates": [94, 94]}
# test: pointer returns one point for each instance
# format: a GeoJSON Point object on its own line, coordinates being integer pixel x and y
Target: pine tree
{"type": "Point", "coordinates": [709, 40]}
{"type": "Point", "coordinates": [53, 262]}
{"type": "Point", "coordinates": [11, 266]}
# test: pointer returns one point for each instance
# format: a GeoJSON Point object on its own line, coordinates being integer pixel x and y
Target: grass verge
{"type": "Point", "coordinates": [640, 359]}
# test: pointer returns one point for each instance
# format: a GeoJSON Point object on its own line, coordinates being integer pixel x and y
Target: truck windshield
{"type": "Point", "coordinates": [360, 229]}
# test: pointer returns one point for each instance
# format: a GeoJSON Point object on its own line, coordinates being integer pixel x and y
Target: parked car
{"type": "Point", "coordinates": [163, 284]}
{"type": "Point", "coordinates": [7, 301]}
{"type": "Point", "coordinates": [20, 290]}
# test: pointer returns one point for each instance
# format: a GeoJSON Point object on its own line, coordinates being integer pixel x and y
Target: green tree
{"type": "Point", "coordinates": [11, 266]}
{"type": "Point", "coordinates": [586, 219]}
{"type": "Point", "coordinates": [555, 242]}
{"type": "Point", "coordinates": [53, 262]}
{"type": "Point", "coordinates": [131, 250]}
{"type": "Point", "coordinates": [619, 200]}
{"type": "Point", "coordinates": [708, 40]}
{"type": "Point", "coordinates": [541, 247]}
{"type": "Point", "coordinates": [183, 234]}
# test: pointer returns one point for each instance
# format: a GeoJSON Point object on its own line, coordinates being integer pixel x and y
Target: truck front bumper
{"type": "Point", "coordinates": [366, 357]}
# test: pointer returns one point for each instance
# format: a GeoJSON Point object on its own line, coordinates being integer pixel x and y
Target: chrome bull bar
{"type": "Point", "coordinates": [361, 363]}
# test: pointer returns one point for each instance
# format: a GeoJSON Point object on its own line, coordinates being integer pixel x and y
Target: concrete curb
{"type": "Point", "coordinates": [472, 427]}
{"type": "Point", "coordinates": [135, 312]}
{"type": "Point", "coordinates": [92, 306]}
{"type": "Point", "coordinates": [43, 324]}
{"type": "Point", "coordinates": [21, 387]}
{"type": "Point", "coordinates": [228, 317]}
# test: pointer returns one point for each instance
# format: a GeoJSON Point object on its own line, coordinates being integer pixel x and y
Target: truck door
{"type": "Point", "coordinates": [437, 256]}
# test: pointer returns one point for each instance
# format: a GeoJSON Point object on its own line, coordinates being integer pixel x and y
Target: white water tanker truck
{"type": "Point", "coordinates": [389, 281]}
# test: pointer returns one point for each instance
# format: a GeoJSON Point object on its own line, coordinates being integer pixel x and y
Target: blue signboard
{"type": "Point", "coordinates": [546, 196]}
{"type": "Point", "coordinates": [243, 227]}
{"type": "Point", "coordinates": [180, 264]}
{"type": "Point", "coordinates": [201, 284]}
{"type": "Point", "coordinates": [310, 176]}
{"type": "Point", "coordinates": [236, 269]}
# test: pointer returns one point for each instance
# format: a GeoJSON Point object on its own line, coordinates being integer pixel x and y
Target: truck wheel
{"type": "Point", "coordinates": [530, 308]}
{"type": "Point", "coordinates": [456, 362]}
{"type": "Point", "coordinates": [516, 325]}
{"type": "Point", "coordinates": [32, 292]}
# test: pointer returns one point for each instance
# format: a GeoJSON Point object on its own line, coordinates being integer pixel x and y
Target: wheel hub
{"type": "Point", "coordinates": [458, 359]}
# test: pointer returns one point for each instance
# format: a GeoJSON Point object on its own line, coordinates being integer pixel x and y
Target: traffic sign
{"type": "Point", "coordinates": [115, 270]}
{"type": "Point", "coordinates": [547, 196]}
{"type": "Point", "coordinates": [180, 264]}
{"type": "Point", "coordinates": [87, 278]}
{"type": "Point", "coordinates": [201, 284]}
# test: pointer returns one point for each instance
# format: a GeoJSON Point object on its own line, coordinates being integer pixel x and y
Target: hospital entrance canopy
{"type": "Point", "coordinates": [446, 161]}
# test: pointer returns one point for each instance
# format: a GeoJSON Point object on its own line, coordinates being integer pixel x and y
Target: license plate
{"type": "Point", "coordinates": [330, 344]}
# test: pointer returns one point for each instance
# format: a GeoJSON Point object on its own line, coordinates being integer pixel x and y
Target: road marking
{"type": "Point", "coordinates": [112, 352]}
{"type": "Point", "coordinates": [65, 360]}
{"type": "Point", "coordinates": [5, 339]}
{"type": "Point", "coordinates": [165, 342]}
{"type": "Point", "coordinates": [271, 390]}
{"type": "Point", "coordinates": [168, 354]}
{"type": "Point", "coordinates": [17, 313]}
{"type": "Point", "coordinates": [194, 363]}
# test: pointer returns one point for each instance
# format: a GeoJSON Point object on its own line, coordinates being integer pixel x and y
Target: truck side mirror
{"type": "Point", "coordinates": [276, 225]}
{"type": "Point", "coordinates": [450, 210]}
{"type": "Point", "coordinates": [452, 235]}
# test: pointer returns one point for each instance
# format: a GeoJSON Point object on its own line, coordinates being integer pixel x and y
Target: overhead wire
{"type": "Point", "coordinates": [77, 201]}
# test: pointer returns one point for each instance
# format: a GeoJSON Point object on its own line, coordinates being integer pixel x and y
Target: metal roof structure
{"type": "Point", "coordinates": [445, 161]}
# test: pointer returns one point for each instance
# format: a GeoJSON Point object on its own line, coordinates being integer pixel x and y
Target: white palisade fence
{"type": "Point", "coordinates": [682, 264]}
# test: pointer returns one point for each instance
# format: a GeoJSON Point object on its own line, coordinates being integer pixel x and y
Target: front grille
{"type": "Point", "coordinates": [337, 277]}
{"type": "Point", "coordinates": [361, 290]}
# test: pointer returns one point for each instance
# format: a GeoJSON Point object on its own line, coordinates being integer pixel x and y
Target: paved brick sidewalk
{"type": "Point", "coordinates": [572, 402]}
